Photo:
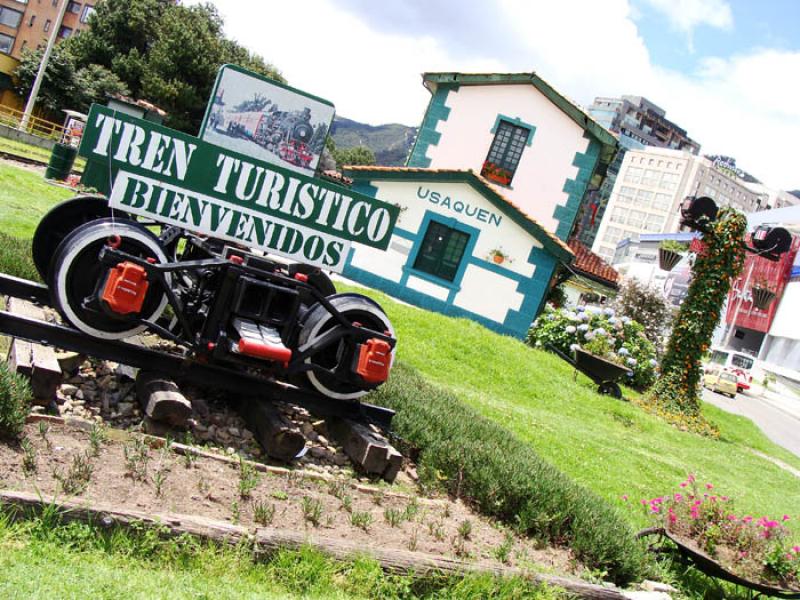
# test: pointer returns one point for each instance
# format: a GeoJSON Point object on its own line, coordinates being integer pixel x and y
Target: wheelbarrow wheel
{"type": "Point", "coordinates": [609, 388]}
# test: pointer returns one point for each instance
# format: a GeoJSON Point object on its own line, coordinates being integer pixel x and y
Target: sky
{"type": "Point", "coordinates": [727, 71]}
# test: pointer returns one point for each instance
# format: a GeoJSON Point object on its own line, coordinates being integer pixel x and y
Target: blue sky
{"type": "Point", "coordinates": [728, 71]}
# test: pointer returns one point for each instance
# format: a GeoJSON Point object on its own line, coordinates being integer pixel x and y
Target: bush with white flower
{"type": "Point", "coordinates": [598, 331]}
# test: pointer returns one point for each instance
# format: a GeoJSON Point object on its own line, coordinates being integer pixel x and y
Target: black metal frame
{"type": "Point", "coordinates": [194, 369]}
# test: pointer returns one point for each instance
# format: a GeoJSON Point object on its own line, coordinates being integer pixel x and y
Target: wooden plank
{"type": "Point", "coordinates": [366, 448]}
{"type": "Point", "coordinates": [267, 540]}
{"type": "Point", "coordinates": [35, 361]}
{"type": "Point", "coordinates": [278, 436]}
{"type": "Point", "coordinates": [161, 399]}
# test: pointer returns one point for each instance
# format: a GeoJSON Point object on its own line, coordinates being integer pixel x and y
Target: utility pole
{"type": "Point", "coordinates": [26, 116]}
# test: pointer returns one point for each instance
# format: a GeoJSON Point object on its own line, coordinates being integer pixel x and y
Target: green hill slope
{"type": "Point", "coordinates": [391, 143]}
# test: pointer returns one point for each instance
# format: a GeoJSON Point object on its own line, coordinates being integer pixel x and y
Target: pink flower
{"type": "Point", "coordinates": [678, 497]}
{"type": "Point", "coordinates": [691, 478]}
{"type": "Point", "coordinates": [785, 518]}
{"type": "Point", "coordinates": [731, 517]}
{"type": "Point", "coordinates": [684, 484]}
{"type": "Point", "coordinates": [672, 517]}
{"type": "Point", "coordinates": [747, 519]}
{"type": "Point", "coordinates": [742, 553]}
{"type": "Point", "coordinates": [709, 486]}
{"type": "Point", "coordinates": [625, 497]}
{"type": "Point", "coordinates": [724, 498]}
{"type": "Point", "coordinates": [644, 502]}
{"type": "Point", "coordinates": [796, 549]}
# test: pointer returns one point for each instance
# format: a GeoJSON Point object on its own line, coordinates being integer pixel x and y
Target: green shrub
{"type": "Point", "coordinates": [482, 462]}
{"type": "Point", "coordinates": [15, 397]}
{"type": "Point", "coordinates": [565, 328]}
{"type": "Point", "coordinates": [15, 258]}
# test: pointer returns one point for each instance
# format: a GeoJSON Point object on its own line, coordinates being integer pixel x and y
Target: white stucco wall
{"type": "Point", "coordinates": [483, 291]}
{"type": "Point", "coordinates": [545, 165]}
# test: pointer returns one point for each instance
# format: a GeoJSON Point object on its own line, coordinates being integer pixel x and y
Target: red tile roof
{"type": "Point", "coordinates": [588, 263]}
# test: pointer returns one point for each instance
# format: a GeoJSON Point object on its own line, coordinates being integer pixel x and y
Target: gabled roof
{"type": "Point", "coordinates": [567, 106]}
{"type": "Point", "coordinates": [481, 185]}
{"type": "Point", "coordinates": [587, 263]}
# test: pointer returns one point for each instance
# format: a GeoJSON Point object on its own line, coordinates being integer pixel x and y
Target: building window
{"type": "Point", "coordinates": [441, 251]}
{"type": "Point", "coordinates": [613, 235]}
{"type": "Point", "coordinates": [654, 223]}
{"type": "Point", "coordinates": [507, 146]}
{"type": "Point", "coordinates": [10, 17]}
{"type": "Point", "coordinates": [626, 194]}
{"type": "Point", "coordinates": [6, 43]}
{"type": "Point", "coordinates": [618, 215]}
{"type": "Point", "coordinates": [650, 177]}
{"type": "Point", "coordinates": [669, 181]}
{"type": "Point", "coordinates": [32, 20]}
{"type": "Point", "coordinates": [64, 32]}
{"type": "Point", "coordinates": [636, 218]}
{"type": "Point", "coordinates": [633, 175]}
{"type": "Point", "coordinates": [88, 11]}
{"type": "Point", "coordinates": [662, 201]}
{"type": "Point", "coordinates": [74, 7]}
{"type": "Point", "coordinates": [644, 198]}
{"type": "Point", "coordinates": [47, 25]}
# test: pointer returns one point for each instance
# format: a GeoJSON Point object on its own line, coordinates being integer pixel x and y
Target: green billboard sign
{"type": "Point", "coordinates": [157, 172]}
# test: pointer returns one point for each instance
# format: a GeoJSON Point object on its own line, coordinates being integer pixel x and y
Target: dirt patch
{"type": "Point", "coordinates": [126, 472]}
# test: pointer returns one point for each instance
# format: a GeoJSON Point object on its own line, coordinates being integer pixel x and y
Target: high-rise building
{"type": "Point", "coordinates": [638, 123]}
{"type": "Point", "coordinates": [29, 23]}
{"type": "Point", "coordinates": [652, 183]}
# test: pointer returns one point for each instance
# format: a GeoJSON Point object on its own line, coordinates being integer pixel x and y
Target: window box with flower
{"type": "Point", "coordinates": [496, 173]}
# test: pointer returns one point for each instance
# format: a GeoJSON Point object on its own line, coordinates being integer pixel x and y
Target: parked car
{"type": "Point", "coordinates": [736, 362]}
{"type": "Point", "coordinates": [721, 381]}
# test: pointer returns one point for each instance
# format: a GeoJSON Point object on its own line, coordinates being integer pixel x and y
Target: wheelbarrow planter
{"type": "Point", "coordinates": [603, 372]}
{"type": "Point", "coordinates": [690, 553]}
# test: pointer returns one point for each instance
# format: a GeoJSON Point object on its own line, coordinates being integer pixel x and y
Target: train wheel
{"type": "Point", "coordinates": [76, 276]}
{"type": "Point", "coordinates": [339, 357]}
{"type": "Point", "coordinates": [60, 221]}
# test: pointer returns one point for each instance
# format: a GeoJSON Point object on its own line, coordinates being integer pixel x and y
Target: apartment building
{"type": "Point", "coordinates": [652, 183]}
{"type": "Point", "coordinates": [29, 23]}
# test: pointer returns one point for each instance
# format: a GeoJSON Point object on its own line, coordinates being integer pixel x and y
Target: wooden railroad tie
{"type": "Point", "coordinates": [366, 447]}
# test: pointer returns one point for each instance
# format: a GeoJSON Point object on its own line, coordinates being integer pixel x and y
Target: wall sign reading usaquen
{"type": "Point", "coordinates": [181, 180]}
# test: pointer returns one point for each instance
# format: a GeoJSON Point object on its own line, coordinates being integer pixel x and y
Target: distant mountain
{"type": "Point", "coordinates": [795, 193]}
{"type": "Point", "coordinates": [391, 143]}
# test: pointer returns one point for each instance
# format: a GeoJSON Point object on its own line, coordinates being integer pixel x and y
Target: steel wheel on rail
{"type": "Point", "coordinates": [337, 359]}
{"type": "Point", "coordinates": [76, 278]}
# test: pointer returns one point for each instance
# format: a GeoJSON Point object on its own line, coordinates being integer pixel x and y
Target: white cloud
{"type": "Point", "coordinates": [685, 15]}
{"type": "Point", "coordinates": [743, 106]}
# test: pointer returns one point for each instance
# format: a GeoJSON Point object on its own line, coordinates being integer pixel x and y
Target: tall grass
{"type": "Point", "coordinates": [15, 398]}
{"type": "Point", "coordinates": [15, 258]}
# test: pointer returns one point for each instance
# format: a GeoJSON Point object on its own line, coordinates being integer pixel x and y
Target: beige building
{"type": "Point", "coordinates": [652, 183]}
{"type": "Point", "coordinates": [28, 23]}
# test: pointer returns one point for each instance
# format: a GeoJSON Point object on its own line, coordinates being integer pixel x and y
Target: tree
{"type": "Point", "coordinates": [647, 306]}
{"type": "Point", "coordinates": [59, 87]}
{"type": "Point", "coordinates": [359, 155]}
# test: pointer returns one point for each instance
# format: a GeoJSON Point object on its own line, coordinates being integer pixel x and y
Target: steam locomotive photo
{"type": "Point", "coordinates": [286, 133]}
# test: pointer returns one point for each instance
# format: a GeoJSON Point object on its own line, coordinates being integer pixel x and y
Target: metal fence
{"type": "Point", "coordinates": [36, 125]}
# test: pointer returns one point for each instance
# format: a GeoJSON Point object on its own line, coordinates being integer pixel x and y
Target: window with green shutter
{"type": "Point", "coordinates": [441, 251]}
{"type": "Point", "coordinates": [505, 152]}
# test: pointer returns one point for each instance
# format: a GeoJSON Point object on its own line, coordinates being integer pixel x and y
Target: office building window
{"type": "Point", "coordinates": [633, 175]}
{"type": "Point", "coordinates": [653, 223]}
{"type": "Point", "coordinates": [47, 25]}
{"type": "Point", "coordinates": [10, 17]}
{"type": "Point", "coordinates": [662, 201]}
{"type": "Point", "coordinates": [6, 43]}
{"type": "Point", "coordinates": [88, 11]}
{"type": "Point", "coordinates": [644, 198]}
{"type": "Point", "coordinates": [618, 215]}
{"type": "Point", "coordinates": [64, 32]}
{"type": "Point", "coordinates": [650, 177]}
{"type": "Point", "coordinates": [669, 181]}
{"type": "Point", "coordinates": [636, 218]}
{"type": "Point", "coordinates": [613, 235]}
{"type": "Point", "coordinates": [74, 7]}
{"type": "Point", "coordinates": [626, 194]}
{"type": "Point", "coordinates": [505, 152]}
{"type": "Point", "coordinates": [441, 251]}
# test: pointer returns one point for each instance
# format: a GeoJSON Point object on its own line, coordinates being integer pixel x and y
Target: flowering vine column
{"type": "Point", "coordinates": [676, 393]}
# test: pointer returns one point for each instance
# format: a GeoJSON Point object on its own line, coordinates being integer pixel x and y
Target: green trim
{"type": "Point", "coordinates": [244, 71]}
{"type": "Point", "coordinates": [519, 123]}
{"type": "Point", "coordinates": [427, 135]}
{"type": "Point", "coordinates": [511, 211]}
{"type": "Point", "coordinates": [608, 141]}
{"type": "Point", "coordinates": [576, 188]}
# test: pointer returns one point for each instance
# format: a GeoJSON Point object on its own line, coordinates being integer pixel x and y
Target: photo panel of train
{"type": "Point", "coordinates": [267, 120]}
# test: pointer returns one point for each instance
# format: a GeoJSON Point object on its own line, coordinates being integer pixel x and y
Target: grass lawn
{"type": "Point", "coordinates": [32, 152]}
{"type": "Point", "coordinates": [607, 445]}
{"type": "Point", "coordinates": [24, 198]}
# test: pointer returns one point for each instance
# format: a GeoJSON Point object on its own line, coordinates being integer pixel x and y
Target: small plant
{"type": "Point", "coordinates": [393, 516]}
{"type": "Point", "coordinates": [436, 529]}
{"type": "Point", "coordinates": [15, 398]}
{"type": "Point", "coordinates": [280, 495]}
{"type": "Point", "coordinates": [29, 462]}
{"type": "Point", "coordinates": [263, 513]}
{"type": "Point", "coordinates": [762, 283]}
{"type": "Point", "coordinates": [446, 511]}
{"type": "Point", "coordinates": [413, 540]}
{"type": "Point", "coordinates": [499, 256]}
{"type": "Point", "coordinates": [236, 512]}
{"type": "Point", "coordinates": [503, 551]}
{"type": "Point", "coordinates": [460, 546]}
{"type": "Point", "coordinates": [203, 486]}
{"type": "Point", "coordinates": [137, 459]}
{"type": "Point", "coordinates": [361, 519]}
{"type": "Point", "coordinates": [465, 529]}
{"type": "Point", "coordinates": [673, 246]}
{"type": "Point", "coordinates": [248, 478]}
{"type": "Point", "coordinates": [411, 510]}
{"type": "Point", "coordinates": [337, 488]}
{"type": "Point", "coordinates": [159, 479]}
{"type": "Point", "coordinates": [97, 437]}
{"type": "Point", "coordinates": [78, 475]}
{"type": "Point", "coordinates": [378, 498]}
{"type": "Point", "coordinates": [189, 459]}
{"type": "Point", "coordinates": [44, 429]}
{"type": "Point", "coordinates": [312, 510]}
{"type": "Point", "coordinates": [347, 503]}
